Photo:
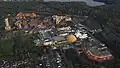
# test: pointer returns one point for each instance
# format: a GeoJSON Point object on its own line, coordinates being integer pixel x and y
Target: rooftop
{"type": "Point", "coordinates": [98, 49]}
{"type": "Point", "coordinates": [58, 38]}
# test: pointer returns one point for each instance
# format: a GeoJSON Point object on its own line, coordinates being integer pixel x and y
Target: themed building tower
{"type": "Point", "coordinates": [7, 26]}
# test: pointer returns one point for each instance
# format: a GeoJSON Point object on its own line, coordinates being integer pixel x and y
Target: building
{"type": "Point", "coordinates": [64, 28]}
{"type": "Point", "coordinates": [92, 47]}
{"type": "Point", "coordinates": [7, 25]}
{"type": "Point", "coordinates": [61, 19]}
{"type": "Point", "coordinates": [58, 38]}
{"type": "Point", "coordinates": [46, 43]}
{"type": "Point", "coordinates": [81, 34]}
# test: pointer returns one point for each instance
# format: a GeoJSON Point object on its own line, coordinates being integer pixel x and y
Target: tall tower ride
{"type": "Point", "coordinates": [7, 26]}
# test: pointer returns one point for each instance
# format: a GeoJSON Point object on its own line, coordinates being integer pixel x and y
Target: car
{"type": "Point", "coordinates": [58, 61]}
{"type": "Point", "coordinates": [48, 64]}
{"type": "Point", "coordinates": [59, 66]}
{"type": "Point", "coordinates": [46, 40]}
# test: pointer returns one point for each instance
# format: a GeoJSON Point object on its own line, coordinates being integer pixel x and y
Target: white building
{"type": "Point", "coordinates": [81, 35]}
{"type": "Point", "coordinates": [64, 28]}
{"type": "Point", "coordinates": [64, 34]}
{"type": "Point", "coordinates": [48, 43]}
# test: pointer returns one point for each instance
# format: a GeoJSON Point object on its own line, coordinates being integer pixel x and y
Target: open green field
{"type": "Point", "coordinates": [5, 47]}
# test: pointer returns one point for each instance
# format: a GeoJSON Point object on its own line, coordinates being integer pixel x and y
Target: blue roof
{"type": "Point", "coordinates": [73, 46]}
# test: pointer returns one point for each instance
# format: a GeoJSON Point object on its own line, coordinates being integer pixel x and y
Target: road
{"type": "Point", "coordinates": [52, 58]}
{"type": "Point", "coordinates": [68, 63]}
{"type": "Point", "coordinates": [53, 55]}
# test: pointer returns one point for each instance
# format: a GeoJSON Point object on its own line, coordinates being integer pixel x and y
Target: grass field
{"type": "Point", "coordinates": [5, 47]}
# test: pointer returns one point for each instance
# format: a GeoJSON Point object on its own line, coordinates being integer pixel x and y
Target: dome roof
{"type": "Point", "coordinates": [20, 14]}
{"type": "Point", "coordinates": [34, 14]}
{"type": "Point", "coordinates": [71, 38]}
{"type": "Point", "coordinates": [27, 14]}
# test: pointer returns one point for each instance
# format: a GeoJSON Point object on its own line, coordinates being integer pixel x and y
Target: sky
{"type": "Point", "coordinates": [89, 2]}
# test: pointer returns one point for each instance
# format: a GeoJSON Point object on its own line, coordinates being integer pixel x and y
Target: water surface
{"type": "Point", "coordinates": [89, 2]}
